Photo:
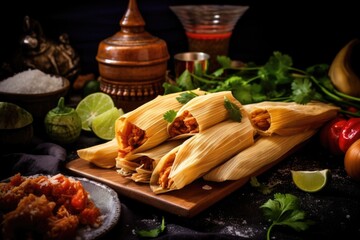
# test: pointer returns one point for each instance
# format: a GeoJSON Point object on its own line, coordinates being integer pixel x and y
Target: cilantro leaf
{"type": "Point", "coordinates": [285, 210]}
{"type": "Point", "coordinates": [233, 110]}
{"type": "Point", "coordinates": [186, 97]}
{"type": "Point", "coordinates": [276, 80]}
{"type": "Point", "coordinates": [170, 88]}
{"type": "Point", "coordinates": [263, 188]}
{"type": "Point", "coordinates": [224, 61]}
{"type": "Point", "coordinates": [302, 90]}
{"type": "Point", "coordinates": [170, 115]}
{"type": "Point", "coordinates": [277, 69]}
{"type": "Point", "coordinates": [153, 232]}
{"type": "Point", "coordinates": [185, 81]}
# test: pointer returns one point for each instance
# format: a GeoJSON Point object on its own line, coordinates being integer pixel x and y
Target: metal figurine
{"type": "Point", "coordinates": [36, 51]}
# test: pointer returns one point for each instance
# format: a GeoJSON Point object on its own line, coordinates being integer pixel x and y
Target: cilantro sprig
{"type": "Point", "coordinates": [276, 80]}
{"type": "Point", "coordinates": [152, 233]}
{"type": "Point", "coordinates": [233, 110]}
{"type": "Point", "coordinates": [284, 210]}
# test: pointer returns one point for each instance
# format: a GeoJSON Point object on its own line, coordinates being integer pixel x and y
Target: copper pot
{"type": "Point", "coordinates": [132, 63]}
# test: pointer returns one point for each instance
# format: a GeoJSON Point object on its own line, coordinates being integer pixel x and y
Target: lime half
{"type": "Point", "coordinates": [310, 181]}
{"type": "Point", "coordinates": [91, 106]}
{"type": "Point", "coordinates": [103, 125]}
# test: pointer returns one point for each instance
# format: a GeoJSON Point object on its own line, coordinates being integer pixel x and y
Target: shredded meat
{"type": "Point", "coordinates": [185, 123]}
{"type": "Point", "coordinates": [261, 119]}
{"type": "Point", "coordinates": [146, 162]}
{"type": "Point", "coordinates": [31, 214]}
{"type": "Point", "coordinates": [45, 208]}
{"type": "Point", "coordinates": [132, 137]}
{"type": "Point", "coordinates": [63, 225]}
{"type": "Point", "coordinates": [164, 180]}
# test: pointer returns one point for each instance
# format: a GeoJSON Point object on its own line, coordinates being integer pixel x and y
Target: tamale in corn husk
{"type": "Point", "coordinates": [288, 118]}
{"type": "Point", "coordinates": [200, 113]}
{"type": "Point", "coordinates": [265, 151]}
{"type": "Point", "coordinates": [145, 127]}
{"type": "Point", "coordinates": [139, 166]}
{"type": "Point", "coordinates": [102, 155]}
{"type": "Point", "coordinates": [200, 153]}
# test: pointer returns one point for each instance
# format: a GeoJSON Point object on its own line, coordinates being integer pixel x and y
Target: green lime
{"type": "Point", "coordinates": [103, 125]}
{"type": "Point", "coordinates": [91, 106]}
{"type": "Point", "coordinates": [16, 125]}
{"type": "Point", "coordinates": [13, 116]}
{"type": "Point", "coordinates": [90, 87]}
{"type": "Point", "coordinates": [310, 181]}
{"type": "Point", "coordinates": [62, 123]}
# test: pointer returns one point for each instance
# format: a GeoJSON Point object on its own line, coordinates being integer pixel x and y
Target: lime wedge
{"type": "Point", "coordinates": [91, 106]}
{"type": "Point", "coordinates": [103, 125]}
{"type": "Point", "coordinates": [310, 181]}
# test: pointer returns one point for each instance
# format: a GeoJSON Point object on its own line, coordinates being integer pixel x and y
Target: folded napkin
{"type": "Point", "coordinates": [44, 158]}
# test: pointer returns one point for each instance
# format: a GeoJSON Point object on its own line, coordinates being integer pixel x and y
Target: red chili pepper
{"type": "Point", "coordinates": [329, 135]}
{"type": "Point", "coordinates": [349, 133]}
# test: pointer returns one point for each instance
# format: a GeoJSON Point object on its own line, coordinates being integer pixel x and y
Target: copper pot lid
{"type": "Point", "coordinates": [132, 43]}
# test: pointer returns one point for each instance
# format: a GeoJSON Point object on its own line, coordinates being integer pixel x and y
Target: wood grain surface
{"type": "Point", "coordinates": [186, 202]}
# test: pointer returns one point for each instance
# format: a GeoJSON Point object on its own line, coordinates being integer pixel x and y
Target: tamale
{"type": "Point", "coordinates": [200, 153]}
{"type": "Point", "coordinates": [145, 127]}
{"type": "Point", "coordinates": [200, 113]}
{"type": "Point", "coordinates": [288, 118]}
{"type": "Point", "coordinates": [102, 155]}
{"type": "Point", "coordinates": [265, 151]}
{"type": "Point", "coordinates": [139, 166]}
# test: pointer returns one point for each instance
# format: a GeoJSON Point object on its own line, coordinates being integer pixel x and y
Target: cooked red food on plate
{"type": "Point", "coordinates": [48, 207]}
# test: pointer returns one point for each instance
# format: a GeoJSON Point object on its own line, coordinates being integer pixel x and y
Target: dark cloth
{"type": "Point", "coordinates": [44, 158]}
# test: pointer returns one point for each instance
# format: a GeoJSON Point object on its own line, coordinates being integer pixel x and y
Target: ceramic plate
{"type": "Point", "coordinates": [106, 199]}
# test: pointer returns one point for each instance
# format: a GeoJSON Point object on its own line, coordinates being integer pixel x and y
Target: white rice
{"type": "Point", "coordinates": [31, 82]}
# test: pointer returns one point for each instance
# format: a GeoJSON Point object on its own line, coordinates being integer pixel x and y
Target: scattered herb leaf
{"type": "Point", "coordinates": [170, 115]}
{"type": "Point", "coordinates": [233, 110]}
{"type": "Point", "coordinates": [263, 188]}
{"type": "Point", "coordinates": [186, 97]}
{"type": "Point", "coordinates": [153, 232]}
{"type": "Point", "coordinates": [285, 210]}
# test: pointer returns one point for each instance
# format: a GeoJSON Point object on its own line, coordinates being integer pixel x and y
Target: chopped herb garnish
{"type": "Point", "coordinates": [152, 233]}
{"type": "Point", "coordinates": [170, 115]}
{"type": "Point", "coordinates": [233, 110]}
{"type": "Point", "coordinates": [263, 188]}
{"type": "Point", "coordinates": [285, 210]}
{"type": "Point", "coordinates": [186, 97]}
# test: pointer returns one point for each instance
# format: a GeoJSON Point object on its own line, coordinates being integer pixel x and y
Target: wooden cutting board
{"type": "Point", "coordinates": [186, 202]}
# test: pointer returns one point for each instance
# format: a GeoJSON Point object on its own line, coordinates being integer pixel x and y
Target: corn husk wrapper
{"type": "Point", "coordinates": [149, 117]}
{"type": "Point", "coordinates": [288, 118]}
{"type": "Point", "coordinates": [205, 111]}
{"type": "Point", "coordinates": [202, 152]}
{"type": "Point", "coordinates": [129, 166]}
{"type": "Point", "coordinates": [102, 155]}
{"type": "Point", "coordinates": [267, 150]}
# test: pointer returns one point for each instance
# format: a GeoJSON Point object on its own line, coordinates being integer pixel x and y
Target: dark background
{"type": "Point", "coordinates": [308, 31]}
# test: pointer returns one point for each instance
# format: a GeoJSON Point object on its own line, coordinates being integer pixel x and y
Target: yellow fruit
{"type": "Point", "coordinates": [310, 181]}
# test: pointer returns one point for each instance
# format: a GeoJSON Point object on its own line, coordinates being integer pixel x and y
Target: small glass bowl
{"type": "Point", "coordinates": [209, 18]}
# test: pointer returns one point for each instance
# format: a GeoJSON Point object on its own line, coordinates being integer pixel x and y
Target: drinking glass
{"type": "Point", "coordinates": [209, 27]}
